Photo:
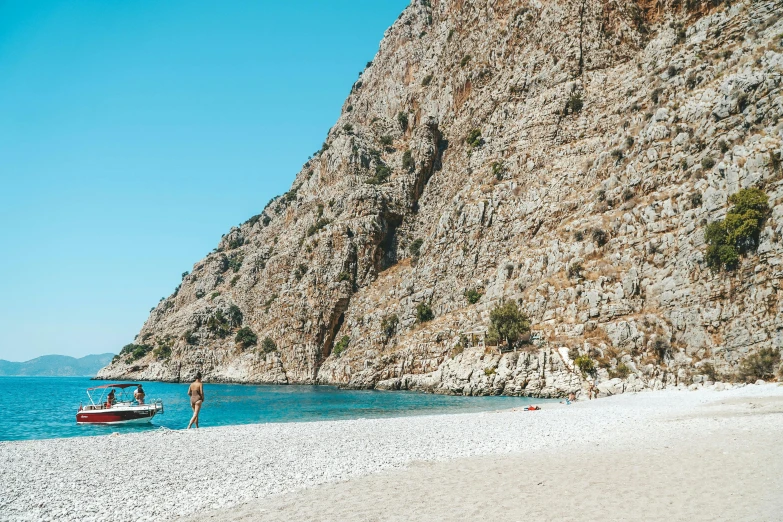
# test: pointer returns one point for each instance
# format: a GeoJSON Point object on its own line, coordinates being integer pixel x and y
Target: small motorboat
{"type": "Point", "coordinates": [121, 409]}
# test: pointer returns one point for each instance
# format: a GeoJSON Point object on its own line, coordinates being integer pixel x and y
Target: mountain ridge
{"type": "Point", "coordinates": [565, 155]}
{"type": "Point", "coordinates": [56, 366]}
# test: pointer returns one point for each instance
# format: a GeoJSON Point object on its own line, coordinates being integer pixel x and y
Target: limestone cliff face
{"type": "Point", "coordinates": [593, 115]}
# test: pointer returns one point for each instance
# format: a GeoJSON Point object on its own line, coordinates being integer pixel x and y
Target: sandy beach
{"type": "Point", "coordinates": [668, 455]}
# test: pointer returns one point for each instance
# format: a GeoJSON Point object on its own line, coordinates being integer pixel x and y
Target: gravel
{"type": "Point", "coordinates": [164, 474]}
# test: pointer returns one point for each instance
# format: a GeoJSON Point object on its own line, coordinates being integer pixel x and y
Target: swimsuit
{"type": "Point", "coordinates": [195, 396]}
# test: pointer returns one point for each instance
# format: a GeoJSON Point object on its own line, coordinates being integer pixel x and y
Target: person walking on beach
{"type": "Point", "coordinates": [138, 394]}
{"type": "Point", "coordinates": [196, 392]}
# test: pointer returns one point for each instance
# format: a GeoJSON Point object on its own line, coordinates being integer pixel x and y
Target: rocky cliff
{"type": "Point", "coordinates": [565, 154]}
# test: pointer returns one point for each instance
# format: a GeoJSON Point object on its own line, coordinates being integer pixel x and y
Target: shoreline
{"type": "Point", "coordinates": [238, 467]}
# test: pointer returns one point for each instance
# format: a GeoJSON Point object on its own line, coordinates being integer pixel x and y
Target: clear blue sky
{"type": "Point", "coordinates": [134, 133]}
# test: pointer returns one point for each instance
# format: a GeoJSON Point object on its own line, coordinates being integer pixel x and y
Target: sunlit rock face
{"type": "Point", "coordinates": [566, 155]}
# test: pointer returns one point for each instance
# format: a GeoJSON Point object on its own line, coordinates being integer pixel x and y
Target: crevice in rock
{"type": "Point", "coordinates": [428, 164]}
{"type": "Point", "coordinates": [331, 329]}
{"type": "Point", "coordinates": [387, 251]}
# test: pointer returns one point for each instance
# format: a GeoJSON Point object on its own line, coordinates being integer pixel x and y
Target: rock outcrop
{"type": "Point", "coordinates": [566, 155]}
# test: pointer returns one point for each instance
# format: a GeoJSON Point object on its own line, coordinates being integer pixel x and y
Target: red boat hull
{"type": "Point", "coordinates": [113, 416]}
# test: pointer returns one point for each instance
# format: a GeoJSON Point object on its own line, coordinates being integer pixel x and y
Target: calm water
{"type": "Point", "coordinates": [45, 407]}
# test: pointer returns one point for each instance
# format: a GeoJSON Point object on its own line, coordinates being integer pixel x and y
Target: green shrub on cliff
{"type": "Point", "coordinates": [402, 119]}
{"type": "Point", "coordinates": [738, 233]}
{"type": "Point", "coordinates": [318, 225]}
{"type": "Point", "coordinates": [389, 325]}
{"type": "Point", "coordinates": [268, 345]}
{"type": "Point", "coordinates": [234, 316]}
{"type": "Point", "coordinates": [341, 346]}
{"type": "Point", "coordinates": [408, 164]}
{"type": "Point", "coordinates": [424, 313]}
{"type": "Point", "coordinates": [245, 337]}
{"type": "Point", "coordinates": [472, 296]}
{"type": "Point", "coordinates": [163, 351]}
{"type": "Point", "coordinates": [218, 324]}
{"type": "Point", "coordinates": [382, 173]}
{"type": "Point", "coordinates": [134, 352]}
{"type": "Point", "coordinates": [415, 247]}
{"type": "Point", "coordinates": [508, 323]}
{"type": "Point", "coordinates": [760, 365]}
{"type": "Point", "coordinates": [622, 371]}
{"type": "Point", "coordinates": [235, 261]}
{"type": "Point", "coordinates": [586, 365]}
{"type": "Point", "coordinates": [300, 271]}
{"type": "Point", "coordinates": [574, 104]}
{"type": "Point", "coordinates": [474, 138]}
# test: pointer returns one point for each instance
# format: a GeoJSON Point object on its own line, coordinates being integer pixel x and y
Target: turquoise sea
{"type": "Point", "coordinates": [45, 407]}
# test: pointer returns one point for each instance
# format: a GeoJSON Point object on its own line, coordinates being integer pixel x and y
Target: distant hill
{"type": "Point", "coordinates": [56, 366]}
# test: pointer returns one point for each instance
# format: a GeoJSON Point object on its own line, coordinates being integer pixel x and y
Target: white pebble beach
{"type": "Point", "coordinates": [665, 455]}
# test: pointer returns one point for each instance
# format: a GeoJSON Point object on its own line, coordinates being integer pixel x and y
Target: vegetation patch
{"type": "Point", "coordinates": [268, 345]}
{"type": "Point", "coordinates": [341, 346]}
{"type": "Point", "coordinates": [134, 352]}
{"type": "Point", "coordinates": [236, 242]}
{"type": "Point", "coordinates": [408, 164]}
{"type": "Point", "coordinates": [760, 365]}
{"type": "Point", "coordinates": [402, 119]}
{"type": "Point", "coordinates": [218, 324]}
{"type": "Point", "coordinates": [235, 261]}
{"type": "Point", "coordinates": [507, 323]}
{"type": "Point", "coordinates": [574, 104]}
{"type": "Point", "coordinates": [472, 295]}
{"type": "Point", "coordinates": [246, 337]}
{"type": "Point", "coordinates": [300, 271]}
{"type": "Point", "coordinates": [575, 270]}
{"type": "Point", "coordinates": [738, 233]}
{"type": "Point", "coordinates": [600, 237]}
{"type": "Point", "coordinates": [415, 247]}
{"type": "Point", "coordinates": [189, 338]}
{"type": "Point", "coordinates": [498, 170]}
{"type": "Point", "coordinates": [318, 225]}
{"type": "Point", "coordinates": [234, 316]}
{"type": "Point", "coordinates": [424, 313]}
{"type": "Point", "coordinates": [389, 325]}
{"type": "Point", "coordinates": [163, 351]}
{"type": "Point", "coordinates": [622, 371]}
{"type": "Point", "coordinates": [474, 138]}
{"type": "Point", "coordinates": [382, 173]}
{"type": "Point", "coordinates": [586, 365]}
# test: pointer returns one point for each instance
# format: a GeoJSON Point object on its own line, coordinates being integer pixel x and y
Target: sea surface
{"type": "Point", "coordinates": [45, 407]}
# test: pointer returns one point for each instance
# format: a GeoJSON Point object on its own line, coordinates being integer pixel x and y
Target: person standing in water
{"type": "Point", "coordinates": [196, 392]}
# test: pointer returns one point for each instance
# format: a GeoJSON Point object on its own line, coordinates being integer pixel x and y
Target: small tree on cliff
{"type": "Point", "coordinates": [245, 337]}
{"type": "Point", "coordinates": [508, 323]}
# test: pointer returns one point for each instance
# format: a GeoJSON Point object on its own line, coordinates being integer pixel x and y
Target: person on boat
{"type": "Point", "coordinates": [110, 399]}
{"type": "Point", "coordinates": [138, 394]}
{"type": "Point", "coordinates": [196, 392]}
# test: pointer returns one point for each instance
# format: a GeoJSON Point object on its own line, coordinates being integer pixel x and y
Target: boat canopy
{"type": "Point", "coordinates": [122, 385]}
